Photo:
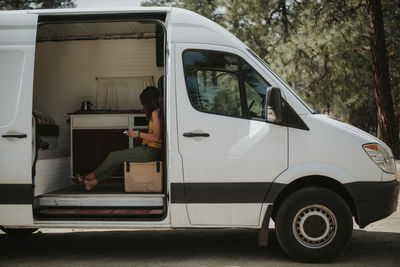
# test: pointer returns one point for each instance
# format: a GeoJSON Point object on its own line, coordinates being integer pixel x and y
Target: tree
{"type": "Point", "coordinates": [31, 4]}
{"type": "Point", "coordinates": [391, 18]}
{"type": "Point", "coordinates": [321, 48]}
{"type": "Point", "coordinates": [387, 129]}
{"type": "Point", "coordinates": [206, 8]}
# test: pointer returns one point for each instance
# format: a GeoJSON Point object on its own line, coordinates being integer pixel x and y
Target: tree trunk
{"type": "Point", "coordinates": [387, 130]}
{"type": "Point", "coordinates": [285, 20]}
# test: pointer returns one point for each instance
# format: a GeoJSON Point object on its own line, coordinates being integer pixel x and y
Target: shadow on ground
{"type": "Point", "coordinates": [181, 248]}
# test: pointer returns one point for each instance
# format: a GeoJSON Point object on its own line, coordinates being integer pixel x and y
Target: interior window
{"type": "Point", "coordinates": [219, 92]}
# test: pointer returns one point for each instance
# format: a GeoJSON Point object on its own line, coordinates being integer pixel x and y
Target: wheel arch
{"type": "Point", "coordinates": [279, 192]}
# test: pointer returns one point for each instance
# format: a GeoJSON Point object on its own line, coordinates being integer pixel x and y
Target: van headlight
{"type": "Point", "coordinates": [381, 157]}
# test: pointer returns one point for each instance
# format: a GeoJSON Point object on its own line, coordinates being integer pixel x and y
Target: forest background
{"type": "Point", "coordinates": [321, 48]}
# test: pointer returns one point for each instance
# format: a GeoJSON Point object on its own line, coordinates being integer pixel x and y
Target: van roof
{"type": "Point", "coordinates": [187, 26]}
{"type": "Point", "coordinates": [73, 11]}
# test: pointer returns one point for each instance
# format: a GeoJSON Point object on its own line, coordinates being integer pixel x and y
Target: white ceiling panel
{"type": "Point", "coordinates": [102, 30]}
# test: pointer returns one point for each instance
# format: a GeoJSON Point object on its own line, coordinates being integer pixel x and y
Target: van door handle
{"type": "Point", "coordinates": [191, 134]}
{"type": "Point", "coordinates": [14, 135]}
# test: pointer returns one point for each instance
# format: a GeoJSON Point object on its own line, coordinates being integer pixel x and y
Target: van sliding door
{"type": "Point", "coordinates": [17, 52]}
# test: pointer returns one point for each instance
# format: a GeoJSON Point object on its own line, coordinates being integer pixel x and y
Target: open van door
{"type": "Point", "coordinates": [17, 53]}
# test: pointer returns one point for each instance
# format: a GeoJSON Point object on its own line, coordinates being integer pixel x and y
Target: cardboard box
{"type": "Point", "coordinates": [143, 177]}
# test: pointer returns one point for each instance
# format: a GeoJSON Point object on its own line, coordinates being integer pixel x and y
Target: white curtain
{"type": "Point", "coordinates": [121, 93]}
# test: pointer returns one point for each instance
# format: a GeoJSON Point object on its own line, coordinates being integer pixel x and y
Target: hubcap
{"type": "Point", "coordinates": [314, 226]}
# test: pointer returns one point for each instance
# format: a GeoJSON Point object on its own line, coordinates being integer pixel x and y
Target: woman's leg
{"type": "Point", "coordinates": [116, 159]}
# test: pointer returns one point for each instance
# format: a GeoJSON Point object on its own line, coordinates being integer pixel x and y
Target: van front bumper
{"type": "Point", "coordinates": [374, 200]}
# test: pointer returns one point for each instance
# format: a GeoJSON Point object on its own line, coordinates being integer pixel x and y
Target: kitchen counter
{"type": "Point", "coordinates": [88, 112]}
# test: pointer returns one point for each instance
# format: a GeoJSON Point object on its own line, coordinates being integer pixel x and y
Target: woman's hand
{"type": "Point", "coordinates": [133, 134]}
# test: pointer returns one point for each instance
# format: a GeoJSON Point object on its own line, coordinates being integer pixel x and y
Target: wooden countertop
{"type": "Point", "coordinates": [89, 112]}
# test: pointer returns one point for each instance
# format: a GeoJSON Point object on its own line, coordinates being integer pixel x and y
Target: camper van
{"type": "Point", "coordinates": [240, 149]}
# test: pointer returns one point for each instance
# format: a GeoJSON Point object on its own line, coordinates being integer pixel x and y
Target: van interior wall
{"type": "Point", "coordinates": [65, 73]}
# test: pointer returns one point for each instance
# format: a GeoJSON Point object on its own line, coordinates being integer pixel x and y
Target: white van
{"type": "Point", "coordinates": [240, 146]}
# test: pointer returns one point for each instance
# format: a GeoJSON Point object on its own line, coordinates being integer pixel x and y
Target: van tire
{"type": "Point", "coordinates": [19, 232]}
{"type": "Point", "coordinates": [314, 224]}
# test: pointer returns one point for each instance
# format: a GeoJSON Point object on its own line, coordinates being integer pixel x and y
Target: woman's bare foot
{"type": "Point", "coordinates": [89, 184]}
{"type": "Point", "coordinates": [79, 179]}
{"type": "Point", "coordinates": [90, 176]}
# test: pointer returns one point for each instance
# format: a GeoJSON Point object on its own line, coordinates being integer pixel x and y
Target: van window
{"type": "Point", "coordinates": [10, 85]}
{"type": "Point", "coordinates": [222, 83]}
{"type": "Point", "coordinates": [213, 82]}
{"type": "Point", "coordinates": [256, 89]}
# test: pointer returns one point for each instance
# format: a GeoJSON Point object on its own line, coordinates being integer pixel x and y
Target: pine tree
{"type": "Point", "coordinates": [387, 129]}
{"type": "Point", "coordinates": [321, 48]}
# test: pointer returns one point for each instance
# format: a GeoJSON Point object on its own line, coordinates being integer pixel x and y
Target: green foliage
{"type": "Point", "coordinates": [159, 3]}
{"type": "Point", "coordinates": [206, 8]}
{"type": "Point", "coordinates": [321, 48]}
{"type": "Point", "coordinates": [30, 4]}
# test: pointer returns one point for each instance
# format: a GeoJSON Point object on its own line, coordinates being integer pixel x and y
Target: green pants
{"type": "Point", "coordinates": [116, 159]}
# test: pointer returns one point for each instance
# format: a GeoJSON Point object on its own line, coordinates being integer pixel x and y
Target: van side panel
{"type": "Point", "coordinates": [17, 50]}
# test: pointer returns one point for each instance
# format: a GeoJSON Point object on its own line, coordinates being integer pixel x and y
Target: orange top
{"type": "Point", "coordinates": [151, 143]}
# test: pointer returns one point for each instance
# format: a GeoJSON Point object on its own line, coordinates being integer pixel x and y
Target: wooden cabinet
{"type": "Point", "coordinates": [91, 147]}
{"type": "Point", "coordinates": [94, 136]}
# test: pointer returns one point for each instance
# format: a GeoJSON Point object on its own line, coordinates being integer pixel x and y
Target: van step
{"type": "Point", "coordinates": [70, 212]}
{"type": "Point", "coordinates": [100, 200]}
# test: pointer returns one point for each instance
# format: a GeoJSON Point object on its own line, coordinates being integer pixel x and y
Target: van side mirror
{"type": "Point", "coordinates": [273, 104]}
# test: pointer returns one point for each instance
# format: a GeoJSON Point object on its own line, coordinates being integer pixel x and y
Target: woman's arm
{"type": "Point", "coordinates": [156, 135]}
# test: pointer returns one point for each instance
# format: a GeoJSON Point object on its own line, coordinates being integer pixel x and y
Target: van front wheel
{"type": "Point", "coordinates": [313, 224]}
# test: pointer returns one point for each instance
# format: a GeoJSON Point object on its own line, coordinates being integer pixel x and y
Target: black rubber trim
{"type": "Point", "coordinates": [219, 192]}
{"type": "Point", "coordinates": [19, 194]}
{"type": "Point", "coordinates": [263, 234]}
{"type": "Point", "coordinates": [274, 191]}
{"type": "Point", "coordinates": [293, 120]}
{"type": "Point", "coordinates": [374, 200]}
{"type": "Point", "coordinates": [56, 18]}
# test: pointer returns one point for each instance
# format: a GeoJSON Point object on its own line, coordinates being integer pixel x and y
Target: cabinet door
{"type": "Point", "coordinates": [112, 140]}
{"type": "Point", "coordinates": [91, 148]}
{"type": "Point", "coordinates": [86, 150]}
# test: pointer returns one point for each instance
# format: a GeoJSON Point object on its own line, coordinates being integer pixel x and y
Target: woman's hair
{"type": "Point", "coordinates": [149, 99]}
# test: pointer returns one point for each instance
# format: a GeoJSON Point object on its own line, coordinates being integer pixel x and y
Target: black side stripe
{"type": "Point", "coordinates": [20, 194]}
{"type": "Point", "coordinates": [219, 192]}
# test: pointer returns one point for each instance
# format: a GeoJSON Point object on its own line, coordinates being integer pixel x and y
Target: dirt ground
{"type": "Point", "coordinates": [182, 248]}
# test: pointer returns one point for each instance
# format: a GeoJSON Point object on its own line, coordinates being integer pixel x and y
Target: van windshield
{"type": "Point", "coordinates": [282, 81]}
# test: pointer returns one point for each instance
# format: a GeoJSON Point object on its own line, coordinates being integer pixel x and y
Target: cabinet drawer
{"type": "Point", "coordinates": [100, 121]}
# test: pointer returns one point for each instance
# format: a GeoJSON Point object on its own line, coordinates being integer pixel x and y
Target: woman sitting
{"type": "Point", "coordinates": [149, 150]}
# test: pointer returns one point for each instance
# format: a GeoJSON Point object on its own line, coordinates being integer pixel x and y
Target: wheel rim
{"type": "Point", "coordinates": [314, 226]}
